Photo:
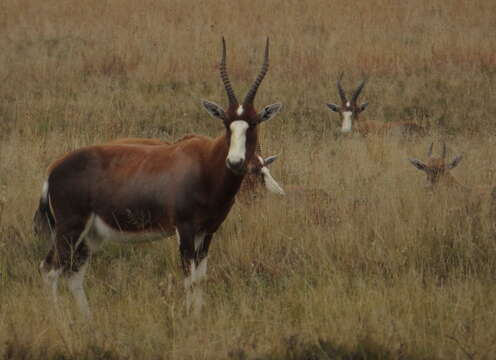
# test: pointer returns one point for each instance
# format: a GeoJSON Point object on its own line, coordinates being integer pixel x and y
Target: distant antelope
{"type": "Point", "coordinates": [437, 170]}
{"type": "Point", "coordinates": [350, 111]}
{"type": "Point", "coordinates": [132, 193]}
{"type": "Point", "coordinates": [439, 177]}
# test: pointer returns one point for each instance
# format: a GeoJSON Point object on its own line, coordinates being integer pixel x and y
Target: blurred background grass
{"type": "Point", "coordinates": [373, 267]}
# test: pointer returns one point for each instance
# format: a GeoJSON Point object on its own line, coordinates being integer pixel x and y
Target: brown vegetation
{"type": "Point", "coordinates": [397, 276]}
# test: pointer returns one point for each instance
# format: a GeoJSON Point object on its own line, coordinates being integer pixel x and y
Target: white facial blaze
{"type": "Point", "coordinates": [240, 110]}
{"type": "Point", "coordinates": [346, 127]}
{"type": "Point", "coordinates": [237, 149]}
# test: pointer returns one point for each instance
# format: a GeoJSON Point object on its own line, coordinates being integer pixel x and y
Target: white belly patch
{"type": "Point", "coordinates": [100, 231]}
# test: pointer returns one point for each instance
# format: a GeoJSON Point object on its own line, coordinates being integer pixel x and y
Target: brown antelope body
{"type": "Point", "coordinates": [257, 177]}
{"type": "Point", "coordinates": [129, 193]}
{"type": "Point", "coordinates": [350, 110]}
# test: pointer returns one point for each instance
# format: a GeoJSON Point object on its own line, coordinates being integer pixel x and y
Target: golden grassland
{"type": "Point", "coordinates": [378, 269]}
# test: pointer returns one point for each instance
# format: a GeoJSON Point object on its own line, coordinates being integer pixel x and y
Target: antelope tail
{"type": "Point", "coordinates": [43, 221]}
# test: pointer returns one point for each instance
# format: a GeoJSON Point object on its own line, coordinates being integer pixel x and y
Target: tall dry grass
{"type": "Point", "coordinates": [392, 272]}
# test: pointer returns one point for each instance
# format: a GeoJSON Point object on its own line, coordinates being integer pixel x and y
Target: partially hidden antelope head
{"type": "Point", "coordinates": [259, 176]}
{"type": "Point", "coordinates": [349, 110]}
{"type": "Point", "coordinates": [136, 192]}
{"type": "Point", "coordinates": [437, 169]}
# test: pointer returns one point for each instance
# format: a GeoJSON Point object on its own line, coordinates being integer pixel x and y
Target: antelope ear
{"type": "Point", "coordinates": [269, 112]}
{"type": "Point", "coordinates": [269, 160]}
{"type": "Point", "coordinates": [363, 107]}
{"type": "Point", "coordinates": [418, 164]}
{"type": "Point", "coordinates": [455, 162]}
{"type": "Point", "coordinates": [214, 110]}
{"type": "Point", "coordinates": [270, 183]}
{"type": "Point", "coordinates": [334, 107]}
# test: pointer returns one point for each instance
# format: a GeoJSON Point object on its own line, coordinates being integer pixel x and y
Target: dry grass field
{"type": "Point", "coordinates": [379, 269]}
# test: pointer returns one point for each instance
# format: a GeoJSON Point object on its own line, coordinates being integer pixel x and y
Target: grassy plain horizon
{"type": "Point", "coordinates": [388, 271]}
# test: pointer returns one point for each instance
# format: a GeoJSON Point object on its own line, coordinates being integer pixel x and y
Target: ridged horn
{"type": "Point", "coordinates": [342, 94]}
{"type": "Point", "coordinates": [225, 77]}
{"type": "Point", "coordinates": [357, 92]}
{"type": "Point", "coordinates": [250, 97]}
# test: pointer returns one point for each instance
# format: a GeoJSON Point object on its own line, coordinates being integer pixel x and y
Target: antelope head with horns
{"type": "Point", "coordinates": [350, 109]}
{"type": "Point", "coordinates": [437, 169]}
{"type": "Point", "coordinates": [242, 119]}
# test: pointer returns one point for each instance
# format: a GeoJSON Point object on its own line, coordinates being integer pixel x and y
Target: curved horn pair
{"type": "Point", "coordinates": [443, 154]}
{"type": "Point", "coordinates": [250, 97]}
{"type": "Point", "coordinates": [342, 94]}
{"type": "Point", "coordinates": [356, 93]}
{"type": "Point", "coordinates": [225, 77]}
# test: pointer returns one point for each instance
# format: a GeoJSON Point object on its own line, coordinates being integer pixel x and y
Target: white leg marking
{"type": "Point", "coordinates": [197, 300]}
{"type": "Point", "coordinates": [76, 286]}
{"type": "Point", "coordinates": [199, 240]}
{"type": "Point", "coordinates": [188, 282]}
{"type": "Point", "coordinates": [347, 123]}
{"type": "Point", "coordinates": [188, 285]}
{"type": "Point", "coordinates": [201, 271]}
{"type": "Point", "coordinates": [51, 280]}
{"type": "Point", "coordinates": [178, 237]}
{"type": "Point", "coordinates": [270, 183]}
{"type": "Point", "coordinates": [237, 149]}
{"type": "Point", "coordinates": [194, 293]}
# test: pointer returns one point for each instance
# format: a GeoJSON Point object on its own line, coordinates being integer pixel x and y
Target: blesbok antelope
{"type": "Point", "coordinates": [130, 193]}
{"type": "Point", "coordinates": [257, 176]}
{"type": "Point", "coordinates": [350, 110]}
{"type": "Point", "coordinates": [438, 170]}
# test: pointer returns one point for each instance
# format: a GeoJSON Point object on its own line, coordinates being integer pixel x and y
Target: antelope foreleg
{"type": "Point", "coordinates": [194, 250]}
